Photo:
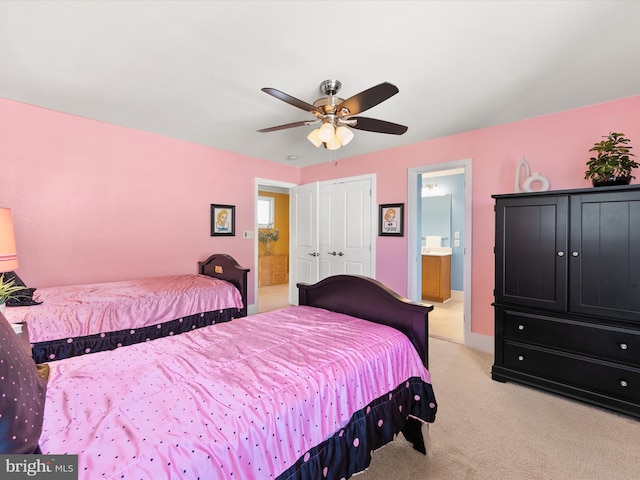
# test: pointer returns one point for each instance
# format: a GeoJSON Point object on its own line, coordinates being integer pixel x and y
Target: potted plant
{"type": "Point", "coordinates": [8, 291]}
{"type": "Point", "coordinates": [613, 163]}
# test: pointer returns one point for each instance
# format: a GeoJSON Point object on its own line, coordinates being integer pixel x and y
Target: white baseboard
{"type": "Point", "coordinates": [477, 341]}
{"type": "Point", "coordinates": [457, 295]}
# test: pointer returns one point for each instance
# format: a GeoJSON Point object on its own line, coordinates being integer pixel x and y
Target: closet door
{"type": "Point", "coordinates": [331, 231]}
{"type": "Point", "coordinates": [355, 236]}
{"type": "Point", "coordinates": [345, 228]}
{"type": "Point", "coordinates": [327, 214]}
{"type": "Point", "coordinates": [605, 255]}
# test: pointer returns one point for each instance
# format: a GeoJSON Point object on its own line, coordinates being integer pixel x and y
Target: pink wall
{"type": "Point", "coordinates": [96, 202]}
{"type": "Point", "coordinates": [555, 145]}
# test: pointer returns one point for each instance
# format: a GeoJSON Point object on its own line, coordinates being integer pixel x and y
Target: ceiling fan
{"type": "Point", "coordinates": [337, 114]}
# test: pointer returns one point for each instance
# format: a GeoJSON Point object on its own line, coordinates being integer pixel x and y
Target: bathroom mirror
{"type": "Point", "coordinates": [436, 218]}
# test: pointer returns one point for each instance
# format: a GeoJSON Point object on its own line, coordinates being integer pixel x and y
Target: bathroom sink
{"type": "Point", "coordinates": [437, 251]}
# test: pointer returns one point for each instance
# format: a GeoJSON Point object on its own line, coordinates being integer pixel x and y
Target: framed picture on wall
{"type": "Point", "coordinates": [223, 220]}
{"type": "Point", "coordinates": [391, 220]}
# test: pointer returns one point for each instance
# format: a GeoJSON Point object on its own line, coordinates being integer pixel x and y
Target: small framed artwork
{"type": "Point", "coordinates": [223, 220]}
{"type": "Point", "coordinates": [391, 220]}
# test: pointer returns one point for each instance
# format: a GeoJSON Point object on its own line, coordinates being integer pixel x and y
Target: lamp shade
{"type": "Point", "coordinates": [8, 252]}
{"type": "Point", "coordinates": [333, 143]}
{"type": "Point", "coordinates": [344, 134]}
{"type": "Point", "coordinates": [314, 138]}
{"type": "Point", "coordinates": [326, 133]}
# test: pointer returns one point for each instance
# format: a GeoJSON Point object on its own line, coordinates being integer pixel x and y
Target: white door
{"type": "Point", "coordinates": [330, 231]}
{"type": "Point", "coordinates": [345, 228]}
{"type": "Point", "coordinates": [326, 213]}
{"type": "Point", "coordinates": [303, 266]}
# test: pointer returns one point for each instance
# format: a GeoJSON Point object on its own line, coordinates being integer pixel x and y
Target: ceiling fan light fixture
{"type": "Point", "coordinates": [335, 114]}
{"type": "Point", "coordinates": [314, 137]}
{"type": "Point", "coordinates": [326, 132]}
{"type": "Point", "coordinates": [334, 143]}
{"type": "Point", "coordinates": [344, 134]}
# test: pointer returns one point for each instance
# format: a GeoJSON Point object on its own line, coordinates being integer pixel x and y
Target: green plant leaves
{"type": "Point", "coordinates": [613, 158]}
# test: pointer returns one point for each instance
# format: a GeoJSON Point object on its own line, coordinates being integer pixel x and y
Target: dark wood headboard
{"type": "Point", "coordinates": [366, 298]}
{"type": "Point", "coordinates": [224, 267]}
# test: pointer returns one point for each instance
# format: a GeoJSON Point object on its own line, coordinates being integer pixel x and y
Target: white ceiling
{"type": "Point", "coordinates": [193, 70]}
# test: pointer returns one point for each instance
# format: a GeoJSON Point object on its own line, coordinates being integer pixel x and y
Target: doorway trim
{"type": "Point", "coordinates": [413, 250]}
{"type": "Point", "coordinates": [258, 183]}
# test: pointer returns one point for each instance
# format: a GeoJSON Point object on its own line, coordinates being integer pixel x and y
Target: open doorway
{"type": "Point", "coordinates": [439, 230]}
{"type": "Point", "coordinates": [442, 237]}
{"type": "Point", "coordinates": [272, 245]}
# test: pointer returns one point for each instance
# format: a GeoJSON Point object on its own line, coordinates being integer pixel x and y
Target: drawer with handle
{"type": "Point", "coordinates": [602, 377]}
{"type": "Point", "coordinates": [611, 343]}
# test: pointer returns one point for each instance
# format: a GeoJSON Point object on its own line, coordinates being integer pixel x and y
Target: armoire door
{"type": "Point", "coordinates": [604, 256]}
{"type": "Point", "coordinates": [531, 251]}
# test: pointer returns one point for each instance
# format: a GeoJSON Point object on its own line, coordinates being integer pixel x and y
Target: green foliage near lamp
{"type": "Point", "coordinates": [8, 290]}
{"type": "Point", "coordinates": [612, 165]}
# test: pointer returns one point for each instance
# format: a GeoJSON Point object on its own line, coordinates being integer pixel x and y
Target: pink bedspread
{"type": "Point", "coordinates": [241, 400]}
{"type": "Point", "coordinates": [79, 310]}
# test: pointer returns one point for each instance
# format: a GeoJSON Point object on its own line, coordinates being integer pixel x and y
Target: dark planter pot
{"type": "Point", "coordinates": [611, 181]}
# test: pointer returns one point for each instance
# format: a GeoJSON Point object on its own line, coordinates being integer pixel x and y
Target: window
{"type": "Point", "coordinates": [265, 212]}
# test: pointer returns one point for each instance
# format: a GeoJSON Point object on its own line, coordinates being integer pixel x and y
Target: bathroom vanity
{"type": "Point", "coordinates": [436, 273]}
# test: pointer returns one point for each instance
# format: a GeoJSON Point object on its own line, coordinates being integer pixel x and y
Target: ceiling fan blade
{"type": "Point", "coordinates": [378, 126]}
{"type": "Point", "coordinates": [368, 98]}
{"type": "Point", "coordinates": [289, 125]}
{"type": "Point", "coordinates": [307, 107]}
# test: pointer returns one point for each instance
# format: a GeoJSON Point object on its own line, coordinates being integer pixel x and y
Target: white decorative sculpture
{"type": "Point", "coordinates": [529, 179]}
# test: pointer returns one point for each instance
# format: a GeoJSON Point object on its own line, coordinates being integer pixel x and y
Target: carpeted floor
{"type": "Point", "coordinates": [486, 430]}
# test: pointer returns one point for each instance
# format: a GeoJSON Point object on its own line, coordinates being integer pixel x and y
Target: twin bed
{"type": "Point", "coordinates": [303, 392]}
{"type": "Point", "coordinates": [79, 319]}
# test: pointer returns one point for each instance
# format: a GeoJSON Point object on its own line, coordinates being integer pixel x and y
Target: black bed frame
{"type": "Point", "coordinates": [366, 298]}
{"type": "Point", "coordinates": [224, 267]}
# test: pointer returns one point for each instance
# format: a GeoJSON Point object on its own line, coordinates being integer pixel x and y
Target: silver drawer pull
{"type": "Point", "coordinates": [561, 253]}
{"type": "Point", "coordinates": [521, 357]}
{"type": "Point", "coordinates": [623, 346]}
{"type": "Point", "coordinates": [575, 254]}
{"type": "Point", "coordinates": [520, 327]}
{"type": "Point", "coordinates": [623, 383]}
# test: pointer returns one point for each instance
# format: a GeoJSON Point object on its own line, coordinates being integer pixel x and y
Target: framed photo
{"type": "Point", "coordinates": [223, 220]}
{"type": "Point", "coordinates": [391, 220]}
